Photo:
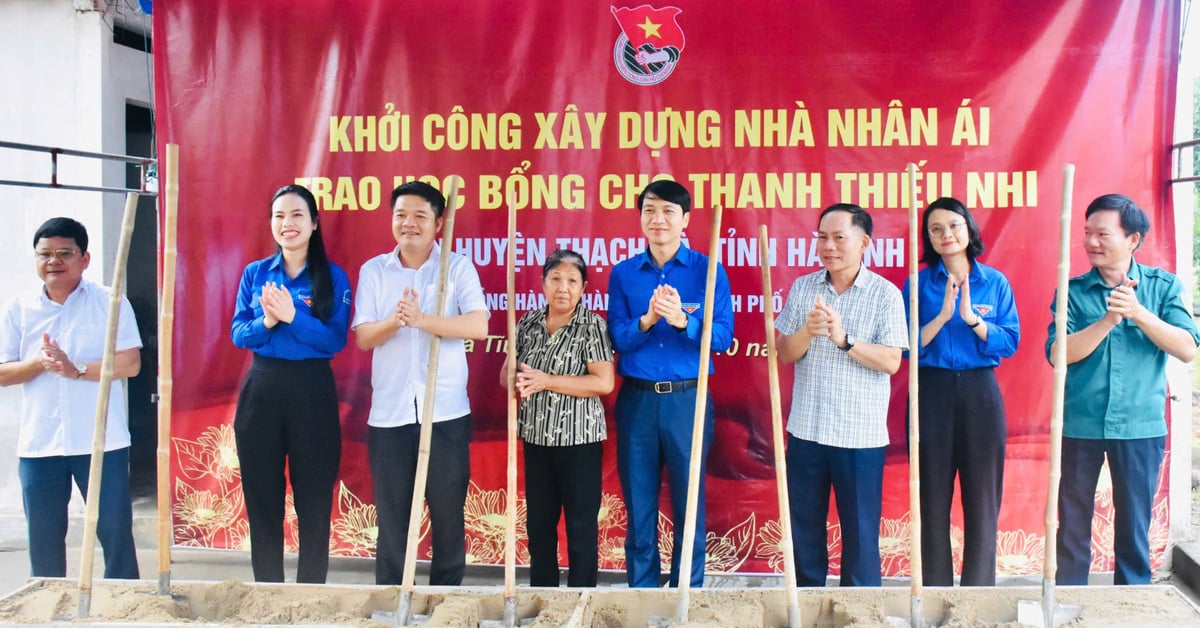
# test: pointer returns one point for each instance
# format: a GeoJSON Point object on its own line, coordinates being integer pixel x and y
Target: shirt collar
{"type": "Point", "coordinates": [435, 256]}
{"type": "Point", "coordinates": [277, 264]}
{"type": "Point", "coordinates": [684, 256]}
{"type": "Point", "coordinates": [860, 280]}
{"type": "Point", "coordinates": [1092, 278]}
{"type": "Point", "coordinates": [940, 270]}
{"type": "Point", "coordinates": [543, 315]}
{"type": "Point", "coordinates": [79, 290]}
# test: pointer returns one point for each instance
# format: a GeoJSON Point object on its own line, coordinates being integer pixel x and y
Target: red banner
{"type": "Point", "coordinates": [773, 110]}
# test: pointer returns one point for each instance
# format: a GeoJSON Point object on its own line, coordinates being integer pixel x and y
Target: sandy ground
{"type": "Point", "coordinates": [233, 602]}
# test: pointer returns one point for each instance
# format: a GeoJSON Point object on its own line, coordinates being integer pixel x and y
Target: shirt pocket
{"type": "Point", "coordinates": [428, 299]}
{"type": "Point", "coordinates": [84, 340]}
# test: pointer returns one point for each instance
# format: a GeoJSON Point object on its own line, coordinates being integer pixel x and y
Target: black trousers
{"type": "Point", "coordinates": [287, 413]}
{"type": "Point", "coordinates": [393, 456]}
{"type": "Point", "coordinates": [963, 433]}
{"type": "Point", "coordinates": [563, 481]}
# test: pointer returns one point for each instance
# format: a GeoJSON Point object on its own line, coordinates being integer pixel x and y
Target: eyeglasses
{"type": "Point", "coordinates": [938, 230]}
{"type": "Point", "coordinates": [64, 255]}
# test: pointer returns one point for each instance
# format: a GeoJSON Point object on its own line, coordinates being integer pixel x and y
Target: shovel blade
{"type": "Point", "coordinates": [391, 617]}
{"type": "Point", "coordinates": [1032, 613]}
{"type": "Point", "coordinates": [500, 623]}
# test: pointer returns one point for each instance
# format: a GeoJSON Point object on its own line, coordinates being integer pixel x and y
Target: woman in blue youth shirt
{"type": "Point", "coordinates": [968, 324]}
{"type": "Point", "coordinates": [293, 312]}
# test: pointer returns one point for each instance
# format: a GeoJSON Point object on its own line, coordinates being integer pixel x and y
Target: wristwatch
{"type": "Point", "coordinates": [80, 370]}
{"type": "Point", "coordinates": [849, 343]}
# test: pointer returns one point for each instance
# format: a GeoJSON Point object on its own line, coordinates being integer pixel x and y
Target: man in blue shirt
{"type": "Point", "coordinates": [656, 301]}
{"type": "Point", "coordinates": [1123, 319]}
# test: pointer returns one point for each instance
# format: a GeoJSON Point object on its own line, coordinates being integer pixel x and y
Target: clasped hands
{"type": "Point", "coordinates": [1123, 302]}
{"type": "Point", "coordinates": [824, 321]}
{"type": "Point", "coordinates": [956, 286]}
{"type": "Point", "coordinates": [54, 360]}
{"type": "Point", "coordinates": [530, 380]}
{"type": "Point", "coordinates": [408, 310]}
{"type": "Point", "coordinates": [665, 303]}
{"type": "Point", "coordinates": [277, 304]}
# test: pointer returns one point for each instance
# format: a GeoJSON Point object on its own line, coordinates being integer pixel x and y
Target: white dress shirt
{"type": "Point", "coordinates": [398, 366]}
{"type": "Point", "coordinates": [58, 414]}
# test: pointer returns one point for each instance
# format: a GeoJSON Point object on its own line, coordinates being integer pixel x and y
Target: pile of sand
{"type": "Point", "coordinates": [233, 602]}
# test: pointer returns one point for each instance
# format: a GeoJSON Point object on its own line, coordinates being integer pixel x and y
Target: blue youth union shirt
{"type": "Point", "coordinates": [306, 337]}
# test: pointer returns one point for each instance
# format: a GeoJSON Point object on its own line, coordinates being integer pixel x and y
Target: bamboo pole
{"type": "Point", "coordinates": [1050, 567]}
{"type": "Point", "coordinates": [404, 610]}
{"type": "Point", "coordinates": [698, 419]}
{"type": "Point", "coordinates": [510, 527]}
{"type": "Point", "coordinates": [916, 616]}
{"type": "Point", "coordinates": [785, 510]}
{"type": "Point", "coordinates": [166, 383]}
{"type": "Point", "coordinates": [98, 435]}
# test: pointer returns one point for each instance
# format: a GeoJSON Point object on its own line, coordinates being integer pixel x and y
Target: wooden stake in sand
{"type": "Point", "coordinates": [916, 617]}
{"type": "Point", "coordinates": [404, 609]}
{"type": "Point", "coordinates": [785, 509]}
{"type": "Point", "coordinates": [166, 331]}
{"type": "Point", "coordinates": [510, 528]}
{"type": "Point", "coordinates": [1050, 567]}
{"type": "Point", "coordinates": [689, 520]}
{"type": "Point", "coordinates": [98, 435]}
{"type": "Point", "coordinates": [1051, 613]}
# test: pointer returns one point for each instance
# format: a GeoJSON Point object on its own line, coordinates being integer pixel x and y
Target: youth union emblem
{"type": "Point", "coordinates": [649, 45]}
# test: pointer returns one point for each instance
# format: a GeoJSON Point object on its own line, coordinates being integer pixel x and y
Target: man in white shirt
{"type": "Point", "coordinates": [394, 317]}
{"type": "Point", "coordinates": [51, 343]}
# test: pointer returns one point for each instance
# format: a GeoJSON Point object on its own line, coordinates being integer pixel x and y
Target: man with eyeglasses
{"type": "Point", "coordinates": [51, 342]}
{"type": "Point", "coordinates": [1123, 320]}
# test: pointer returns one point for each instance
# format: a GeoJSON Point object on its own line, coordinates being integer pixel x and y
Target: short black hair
{"type": "Point", "coordinates": [858, 216]}
{"type": "Point", "coordinates": [1133, 219]}
{"type": "Point", "coordinates": [567, 256]}
{"type": "Point", "coordinates": [423, 190]}
{"type": "Point", "coordinates": [929, 256]}
{"type": "Point", "coordinates": [669, 191]}
{"type": "Point", "coordinates": [62, 227]}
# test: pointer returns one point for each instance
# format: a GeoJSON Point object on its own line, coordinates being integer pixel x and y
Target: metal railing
{"type": "Point", "coordinates": [148, 167]}
{"type": "Point", "coordinates": [1178, 152]}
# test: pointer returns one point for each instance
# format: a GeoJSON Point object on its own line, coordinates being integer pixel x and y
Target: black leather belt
{"type": "Point", "coordinates": [662, 388]}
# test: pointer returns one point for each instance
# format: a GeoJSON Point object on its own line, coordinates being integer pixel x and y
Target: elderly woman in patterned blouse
{"type": "Point", "coordinates": [565, 363]}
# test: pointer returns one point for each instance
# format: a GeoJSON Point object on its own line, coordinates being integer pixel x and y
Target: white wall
{"type": "Point", "coordinates": [66, 84]}
{"type": "Point", "coordinates": [1180, 375]}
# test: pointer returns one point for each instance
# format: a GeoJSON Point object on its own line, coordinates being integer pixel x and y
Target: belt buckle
{"type": "Point", "coordinates": [664, 388]}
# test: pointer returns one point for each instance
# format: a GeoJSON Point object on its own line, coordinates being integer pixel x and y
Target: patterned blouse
{"type": "Point", "coordinates": [553, 419]}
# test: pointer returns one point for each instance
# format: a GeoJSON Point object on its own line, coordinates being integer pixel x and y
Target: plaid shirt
{"type": "Point", "coordinates": [553, 419]}
{"type": "Point", "coordinates": [835, 400]}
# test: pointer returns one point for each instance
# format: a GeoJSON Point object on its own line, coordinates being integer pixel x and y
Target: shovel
{"type": "Point", "coordinates": [785, 517]}
{"type": "Point", "coordinates": [915, 617]}
{"type": "Point", "coordinates": [1048, 612]}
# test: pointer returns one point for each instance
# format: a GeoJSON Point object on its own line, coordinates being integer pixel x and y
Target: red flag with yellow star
{"type": "Point", "coordinates": [648, 25]}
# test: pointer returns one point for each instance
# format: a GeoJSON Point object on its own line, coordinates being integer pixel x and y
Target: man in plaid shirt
{"type": "Point", "coordinates": [844, 327]}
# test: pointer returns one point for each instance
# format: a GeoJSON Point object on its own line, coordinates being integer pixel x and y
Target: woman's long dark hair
{"type": "Point", "coordinates": [318, 262]}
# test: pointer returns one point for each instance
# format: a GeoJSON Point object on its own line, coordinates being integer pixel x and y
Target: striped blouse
{"type": "Point", "coordinates": [553, 419]}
